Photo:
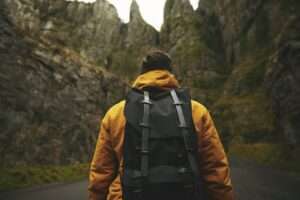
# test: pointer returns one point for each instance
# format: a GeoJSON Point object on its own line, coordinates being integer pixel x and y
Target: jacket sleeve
{"type": "Point", "coordinates": [103, 166]}
{"type": "Point", "coordinates": [214, 165]}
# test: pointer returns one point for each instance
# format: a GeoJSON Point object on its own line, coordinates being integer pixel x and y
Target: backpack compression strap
{"type": "Point", "coordinates": [145, 135]}
{"type": "Point", "coordinates": [185, 134]}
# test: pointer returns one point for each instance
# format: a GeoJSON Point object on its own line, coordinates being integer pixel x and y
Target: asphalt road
{"type": "Point", "coordinates": [251, 182]}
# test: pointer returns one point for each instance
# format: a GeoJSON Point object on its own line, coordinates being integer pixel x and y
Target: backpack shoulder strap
{"type": "Point", "coordinates": [185, 134]}
{"type": "Point", "coordinates": [145, 135]}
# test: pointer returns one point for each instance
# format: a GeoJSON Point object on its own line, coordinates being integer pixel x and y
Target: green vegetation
{"type": "Point", "coordinates": [26, 176]}
{"type": "Point", "coordinates": [269, 154]}
{"type": "Point", "coordinates": [207, 82]}
{"type": "Point", "coordinates": [248, 76]}
{"type": "Point", "coordinates": [290, 6]}
{"type": "Point", "coordinates": [247, 118]}
{"type": "Point", "coordinates": [253, 78]}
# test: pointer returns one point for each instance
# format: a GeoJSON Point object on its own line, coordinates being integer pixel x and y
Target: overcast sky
{"type": "Point", "coordinates": [152, 11]}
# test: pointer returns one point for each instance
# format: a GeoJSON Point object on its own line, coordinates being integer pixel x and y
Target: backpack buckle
{"type": "Point", "coordinates": [144, 125]}
{"type": "Point", "coordinates": [183, 126]}
{"type": "Point", "coordinates": [144, 152]}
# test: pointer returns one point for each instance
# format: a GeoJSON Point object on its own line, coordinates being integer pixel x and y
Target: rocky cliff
{"type": "Point", "coordinates": [93, 30]}
{"type": "Point", "coordinates": [239, 58]}
{"type": "Point", "coordinates": [258, 36]}
{"type": "Point", "coordinates": [261, 93]}
{"type": "Point", "coordinates": [52, 99]}
{"type": "Point", "coordinates": [198, 62]}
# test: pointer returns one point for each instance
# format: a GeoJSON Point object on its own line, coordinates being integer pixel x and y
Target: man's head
{"type": "Point", "coordinates": [156, 59]}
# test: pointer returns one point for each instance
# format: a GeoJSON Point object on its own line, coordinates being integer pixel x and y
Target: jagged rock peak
{"type": "Point", "coordinates": [207, 6]}
{"type": "Point", "coordinates": [140, 33]}
{"type": "Point", "coordinates": [103, 6]}
{"type": "Point", "coordinates": [135, 12]}
{"type": "Point", "coordinates": [177, 8]}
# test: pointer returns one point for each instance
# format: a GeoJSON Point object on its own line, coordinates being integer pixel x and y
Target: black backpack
{"type": "Point", "coordinates": [160, 146]}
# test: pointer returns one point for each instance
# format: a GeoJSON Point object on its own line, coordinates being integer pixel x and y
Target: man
{"type": "Point", "coordinates": [158, 143]}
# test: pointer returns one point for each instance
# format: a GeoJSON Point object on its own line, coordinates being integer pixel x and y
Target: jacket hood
{"type": "Point", "coordinates": [156, 78]}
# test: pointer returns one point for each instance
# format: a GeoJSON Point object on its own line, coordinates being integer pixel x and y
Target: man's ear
{"type": "Point", "coordinates": [145, 60]}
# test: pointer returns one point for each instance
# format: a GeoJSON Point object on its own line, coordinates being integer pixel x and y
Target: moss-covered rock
{"type": "Point", "coordinates": [245, 118]}
{"type": "Point", "coordinates": [269, 154]}
{"type": "Point", "coordinates": [52, 100]}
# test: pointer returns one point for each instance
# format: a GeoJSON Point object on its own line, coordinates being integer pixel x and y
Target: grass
{"type": "Point", "coordinates": [27, 176]}
{"type": "Point", "coordinates": [270, 154]}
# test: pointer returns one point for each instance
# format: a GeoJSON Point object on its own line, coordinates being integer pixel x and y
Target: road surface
{"type": "Point", "coordinates": [251, 182]}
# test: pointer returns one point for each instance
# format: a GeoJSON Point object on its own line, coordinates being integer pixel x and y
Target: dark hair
{"type": "Point", "coordinates": [156, 59]}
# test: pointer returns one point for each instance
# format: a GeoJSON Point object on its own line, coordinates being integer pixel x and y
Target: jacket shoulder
{"type": "Point", "coordinates": [118, 107]}
{"type": "Point", "coordinates": [198, 108]}
{"type": "Point", "coordinates": [200, 114]}
{"type": "Point", "coordinates": [114, 113]}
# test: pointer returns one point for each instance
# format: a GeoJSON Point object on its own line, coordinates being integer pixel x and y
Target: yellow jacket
{"type": "Point", "coordinates": [107, 163]}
